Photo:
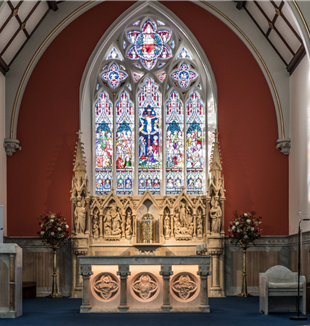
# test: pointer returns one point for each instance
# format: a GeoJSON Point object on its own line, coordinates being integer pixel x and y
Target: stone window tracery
{"type": "Point", "coordinates": [151, 125]}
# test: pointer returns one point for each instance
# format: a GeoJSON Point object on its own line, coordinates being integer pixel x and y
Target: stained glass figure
{"type": "Point", "coordinates": [161, 76]}
{"type": "Point", "coordinates": [124, 144]}
{"type": "Point", "coordinates": [114, 76]}
{"type": "Point", "coordinates": [174, 144]}
{"type": "Point", "coordinates": [129, 87]}
{"type": "Point", "coordinates": [161, 64]}
{"type": "Point", "coordinates": [149, 107]}
{"type": "Point", "coordinates": [184, 54]}
{"type": "Point", "coordinates": [137, 65]}
{"type": "Point", "coordinates": [115, 55]}
{"type": "Point", "coordinates": [104, 143]}
{"type": "Point", "coordinates": [149, 44]}
{"type": "Point", "coordinates": [136, 23]}
{"type": "Point", "coordinates": [184, 75]}
{"type": "Point", "coordinates": [124, 44]}
{"type": "Point", "coordinates": [136, 76]}
{"type": "Point", "coordinates": [160, 23]}
{"type": "Point", "coordinates": [195, 147]}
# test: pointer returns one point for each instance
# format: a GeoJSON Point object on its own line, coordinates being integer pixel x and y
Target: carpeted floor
{"type": "Point", "coordinates": [224, 311]}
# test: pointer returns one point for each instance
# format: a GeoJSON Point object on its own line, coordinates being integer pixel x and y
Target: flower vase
{"type": "Point", "coordinates": [54, 293]}
{"type": "Point", "coordinates": [244, 292]}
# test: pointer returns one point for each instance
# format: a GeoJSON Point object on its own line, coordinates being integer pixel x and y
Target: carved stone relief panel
{"type": "Point", "coordinates": [106, 286]}
{"type": "Point", "coordinates": [183, 222]}
{"type": "Point", "coordinates": [184, 287]}
{"type": "Point", "coordinates": [145, 287]}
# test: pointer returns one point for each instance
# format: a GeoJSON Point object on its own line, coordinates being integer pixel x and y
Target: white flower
{"type": "Point", "coordinates": [67, 226]}
{"type": "Point", "coordinates": [248, 221]}
{"type": "Point", "coordinates": [52, 233]}
{"type": "Point", "coordinates": [42, 225]}
{"type": "Point", "coordinates": [238, 230]}
{"type": "Point", "coordinates": [233, 227]}
{"type": "Point", "coordinates": [237, 223]}
{"type": "Point", "coordinates": [252, 229]}
{"type": "Point", "coordinates": [42, 232]}
{"type": "Point", "coordinates": [59, 229]}
{"type": "Point", "coordinates": [259, 222]}
{"type": "Point", "coordinates": [245, 237]}
{"type": "Point", "coordinates": [245, 214]}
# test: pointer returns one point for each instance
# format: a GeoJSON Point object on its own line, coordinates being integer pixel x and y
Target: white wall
{"type": "Point", "coordinates": [299, 160]}
{"type": "Point", "coordinates": [2, 152]}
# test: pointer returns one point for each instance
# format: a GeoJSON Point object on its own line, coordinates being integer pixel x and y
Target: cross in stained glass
{"type": "Point", "coordinates": [114, 76]}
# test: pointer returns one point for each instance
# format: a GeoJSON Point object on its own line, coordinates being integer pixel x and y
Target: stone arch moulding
{"type": "Point", "coordinates": [89, 80]}
{"type": "Point", "coordinates": [273, 69]}
{"type": "Point", "coordinates": [21, 69]}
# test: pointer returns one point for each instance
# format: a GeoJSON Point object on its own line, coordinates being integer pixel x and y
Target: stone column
{"type": "Point", "coordinates": [195, 224]}
{"type": "Point", "coordinates": [172, 225]}
{"type": "Point", "coordinates": [88, 219]}
{"type": "Point", "coordinates": [12, 282]}
{"type": "Point", "coordinates": [86, 273]}
{"type": "Point", "coordinates": [215, 281]}
{"type": "Point", "coordinates": [123, 272]}
{"type": "Point", "coordinates": [161, 225]}
{"type": "Point", "coordinates": [100, 225]}
{"type": "Point", "coordinates": [72, 216]}
{"type": "Point", "coordinates": [204, 300]}
{"type": "Point", "coordinates": [123, 225]}
{"type": "Point", "coordinates": [166, 272]}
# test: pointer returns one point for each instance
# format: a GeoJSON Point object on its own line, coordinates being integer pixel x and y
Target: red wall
{"type": "Point", "coordinates": [39, 176]}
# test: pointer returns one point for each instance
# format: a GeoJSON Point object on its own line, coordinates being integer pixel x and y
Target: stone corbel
{"type": "Point", "coordinates": [284, 145]}
{"type": "Point", "coordinates": [10, 146]}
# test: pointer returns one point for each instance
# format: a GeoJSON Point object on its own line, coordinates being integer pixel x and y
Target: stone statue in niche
{"type": "Point", "coordinates": [96, 225]}
{"type": "Point", "coordinates": [112, 223]}
{"type": "Point", "coordinates": [183, 223]}
{"type": "Point", "coordinates": [128, 231]}
{"type": "Point", "coordinates": [79, 218]}
{"type": "Point", "coordinates": [199, 224]}
{"type": "Point", "coordinates": [216, 216]}
{"type": "Point", "coordinates": [167, 228]}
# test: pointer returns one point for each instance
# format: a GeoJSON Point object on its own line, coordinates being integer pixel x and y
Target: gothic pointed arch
{"type": "Point", "coordinates": [143, 86]}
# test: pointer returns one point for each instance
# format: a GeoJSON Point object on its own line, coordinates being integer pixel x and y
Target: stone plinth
{"type": "Point", "coordinates": [145, 283]}
{"type": "Point", "coordinates": [11, 263]}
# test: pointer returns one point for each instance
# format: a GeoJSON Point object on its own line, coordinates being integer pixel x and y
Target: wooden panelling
{"type": "Point", "coordinates": [38, 267]}
{"type": "Point", "coordinates": [4, 281]}
{"type": "Point", "coordinates": [304, 268]}
{"type": "Point", "coordinates": [257, 262]}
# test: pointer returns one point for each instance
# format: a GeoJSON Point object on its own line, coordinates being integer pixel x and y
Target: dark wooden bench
{"type": "Point", "coordinates": [29, 290]}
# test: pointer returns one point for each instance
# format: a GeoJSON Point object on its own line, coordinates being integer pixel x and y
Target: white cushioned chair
{"type": "Point", "coordinates": [278, 290]}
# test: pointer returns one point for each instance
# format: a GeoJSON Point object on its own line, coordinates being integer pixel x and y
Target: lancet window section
{"type": "Point", "coordinates": [149, 110]}
{"type": "Point", "coordinates": [104, 143]}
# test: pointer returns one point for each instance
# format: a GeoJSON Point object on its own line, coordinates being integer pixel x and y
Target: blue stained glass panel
{"type": "Point", "coordinates": [149, 107]}
{"type": "Point", "coordinates": [115, 54]}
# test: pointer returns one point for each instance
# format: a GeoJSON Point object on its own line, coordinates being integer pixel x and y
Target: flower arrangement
{"type": "Point", "coordinates": [244, 228]}
{"type": "Point", "coordinates": [54, 229]}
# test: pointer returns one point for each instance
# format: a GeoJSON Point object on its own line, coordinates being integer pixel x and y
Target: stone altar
{"type": "Point", "coordinates": [145, 284]}
{"type": "Point", "coordinates": [111, 225]}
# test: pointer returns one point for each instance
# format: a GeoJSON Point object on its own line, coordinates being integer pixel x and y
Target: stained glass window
{"type": "Point", "coordinates": [149, 106]}
{"type": "Point", "coordinates": [104, 143]}
{"type": "Point", "coordinates": [195, 148]}
{"type": "Point", "coordinates": [124, 144]}
{"type": "Point", "coordinates": [129, 110]}
{"type": "Point", "coordinates": [174, 144]}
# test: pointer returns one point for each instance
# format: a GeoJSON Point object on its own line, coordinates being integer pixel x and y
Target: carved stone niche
{"type": "Point", "coordinates": [183, 222]}
{"type": "Point", "coordinates": [147, 211]}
